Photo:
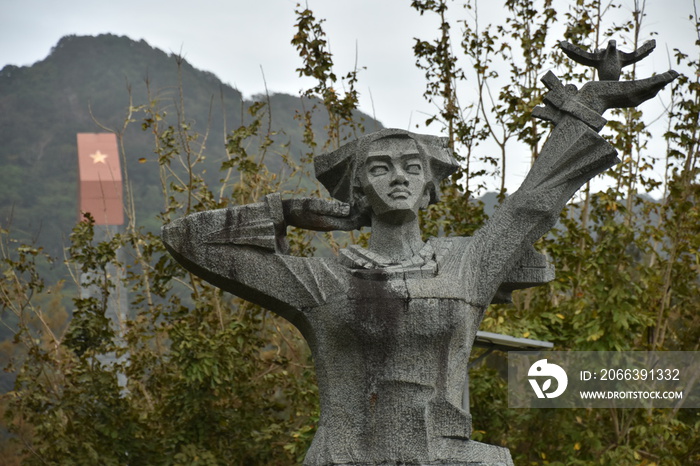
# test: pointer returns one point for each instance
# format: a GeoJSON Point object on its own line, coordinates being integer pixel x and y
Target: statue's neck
{"type": "Point", "coordinates": [395, 242]}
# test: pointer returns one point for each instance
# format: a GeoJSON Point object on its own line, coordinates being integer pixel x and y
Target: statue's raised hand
{"type": "Point", "coordinates": [594, 98]}
{"type": "Point", "coordinates": [602, 95]}
{"type": "Point", "coordinates": [317, 214]}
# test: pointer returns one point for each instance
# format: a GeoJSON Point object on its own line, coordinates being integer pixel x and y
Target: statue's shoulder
{"type": "Point", "coordinates": [448, 251]}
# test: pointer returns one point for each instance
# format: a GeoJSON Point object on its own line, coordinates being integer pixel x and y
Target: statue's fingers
{"type": "Point", "coordinates": [668, 76]}
{"type": "Point", "coordinates": [602, 95]}
{"type": "Point", "coordinates": [326, 207]}
{"type": "Point", "coordinates": [658, 82]}
{"type": "Point", "coordinates": [649, 87]}
{"type": "Point", "coordinates": [346, 224]}
{"type": "Point", "coordinates": [353, 222]}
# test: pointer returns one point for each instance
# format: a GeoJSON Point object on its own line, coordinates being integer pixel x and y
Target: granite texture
{"type": "Point", "coordinates": [391, 326]}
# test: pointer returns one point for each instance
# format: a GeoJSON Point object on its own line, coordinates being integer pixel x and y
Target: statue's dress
{"type": "Point", "coordinates": [391, 342]}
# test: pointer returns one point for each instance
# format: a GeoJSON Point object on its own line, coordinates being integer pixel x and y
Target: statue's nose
{"type": "Point", "coordinates": [400, 177]}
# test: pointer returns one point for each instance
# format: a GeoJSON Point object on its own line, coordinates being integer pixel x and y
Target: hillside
{"type": "Point", "coordinates": [89, 79]}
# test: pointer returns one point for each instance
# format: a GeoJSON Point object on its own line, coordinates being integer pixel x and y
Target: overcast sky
{"type": "Point", "coordinates": [234, 39]}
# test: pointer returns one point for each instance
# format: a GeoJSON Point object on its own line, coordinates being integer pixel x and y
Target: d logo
{"type": "Point", "coordinates": [544, 369]}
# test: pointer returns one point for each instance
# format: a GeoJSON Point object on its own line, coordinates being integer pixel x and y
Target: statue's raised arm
{"type": "Point", "coordinates": [573, 154]}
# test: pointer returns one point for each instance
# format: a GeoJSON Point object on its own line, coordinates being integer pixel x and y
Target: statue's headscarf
{"type": "Point", "coordinates": [337, 170]}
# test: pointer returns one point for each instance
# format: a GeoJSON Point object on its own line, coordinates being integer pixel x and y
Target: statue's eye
{"type": "Point", "coordinates": [414, 168]}
{"type": "Point", "coordinates": [378, 170]}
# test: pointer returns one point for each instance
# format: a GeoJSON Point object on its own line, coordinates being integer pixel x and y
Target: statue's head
{"type": "Point", "coordinates": [392, 170]}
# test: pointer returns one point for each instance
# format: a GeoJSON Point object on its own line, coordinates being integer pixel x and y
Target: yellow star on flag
{"type": "Point", "coordinates": [98, 157]}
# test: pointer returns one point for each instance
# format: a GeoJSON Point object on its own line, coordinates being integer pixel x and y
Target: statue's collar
{"type": "Point", "coordinates": [358, 257]}
{"type": "Point", "coordinates": [422, 264]}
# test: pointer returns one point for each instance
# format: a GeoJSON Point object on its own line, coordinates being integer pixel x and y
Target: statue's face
{"type": "Point", "coordinates": [394, 179]}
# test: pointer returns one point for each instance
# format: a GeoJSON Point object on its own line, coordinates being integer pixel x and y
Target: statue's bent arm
{"type": "Point", "coordinates": [241, 250]}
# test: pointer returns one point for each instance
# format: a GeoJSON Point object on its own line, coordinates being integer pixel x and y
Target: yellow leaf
{"type": "Point", "coordinates": [561, 316]}
{"type": "Point", "coordinates": [526, 334]}
{"type": "Point", "coordinates": [577, 446]}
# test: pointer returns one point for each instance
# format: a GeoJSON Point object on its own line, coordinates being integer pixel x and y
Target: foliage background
{"type": "Point", "coordinates": [208, 379]}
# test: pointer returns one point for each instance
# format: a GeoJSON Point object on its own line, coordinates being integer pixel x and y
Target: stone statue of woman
{"type": "Point", "coordinates": [391, 327]}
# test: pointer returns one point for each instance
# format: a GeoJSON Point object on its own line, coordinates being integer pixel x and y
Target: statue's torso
{"type": "Point", "coordinates": [391, 367]}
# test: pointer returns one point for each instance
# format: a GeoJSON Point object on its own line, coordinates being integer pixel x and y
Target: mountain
{"type": "Point", "coordinates": [85, 80]}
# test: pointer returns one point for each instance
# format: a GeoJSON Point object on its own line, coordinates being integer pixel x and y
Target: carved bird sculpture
{"type": "Point", "coordinates": [609, 61]}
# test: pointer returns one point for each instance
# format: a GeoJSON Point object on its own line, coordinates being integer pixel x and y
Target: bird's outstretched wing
{"type": "Point", "coordinates": [641, 52]}
{"type": "Point", "coordinates": [579, 55]}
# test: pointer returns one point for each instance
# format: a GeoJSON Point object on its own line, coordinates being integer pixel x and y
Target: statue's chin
{"type": "Point", "coordinates": [397, 215]}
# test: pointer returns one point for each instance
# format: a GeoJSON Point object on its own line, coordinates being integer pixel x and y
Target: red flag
{"type": "Point", "coordinates": [100, 178]}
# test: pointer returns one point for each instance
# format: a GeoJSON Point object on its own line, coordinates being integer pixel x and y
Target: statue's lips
{"type": "Point", "coordinates": [400, 194]}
